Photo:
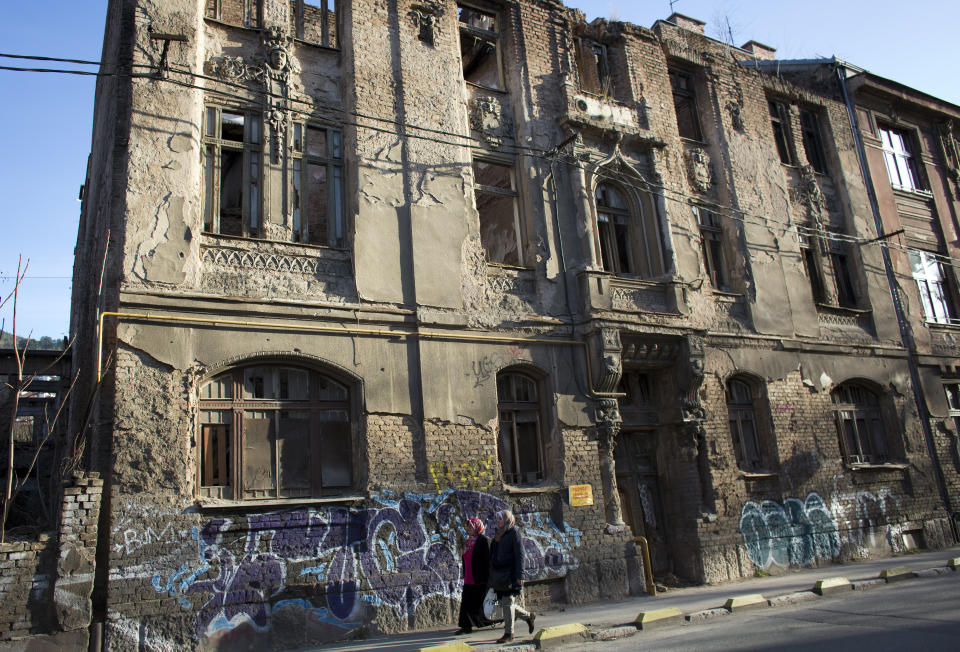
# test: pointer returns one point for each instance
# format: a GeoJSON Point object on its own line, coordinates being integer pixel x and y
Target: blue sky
{"type": "Point", "coordinates": [48, 117]}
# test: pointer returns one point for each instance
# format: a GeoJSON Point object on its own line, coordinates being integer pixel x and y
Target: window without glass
{"type": "Point", "coordinates": [232, 159]}
{"type": "Point", "coordinates": [274, 432]}
{"type": "Point", "coordinates": [711, 242]}
{"type": "Point", "coordinates": [952, 389]}
{"type": "Point", "coordinates": [813, 140]}
{"type": "Point", "coordinates": [318, 213]}
{"type": "Point", "coordinates": [840, 262]}
{"type": "Point", "coordinates": [496, 196]}
{"type": "Point", "coordinates": [780, 122]}
{"type": "Point", "coordinates": [480, 47]}
{"type": "Point", "coordinates": [929, 273]}
{"type": "Point", "coordinates": [742, 418]}
{"type": "Point", "coordinates": [628, 245]}
{"type": "Point", "coordinates": [900, 160]}
{"type": "Point", "coordinates": [315, 21]}
{"type": "Point", "coordinates": [519, 447]}
{"type": "Point", "coordinates": [235, 12]}
{"type": "Point", "coordinates": [811, 268]}
{"type": "Point", "coordinates": [594, 67]}
{"type": "Point", "coordinates": [685, 105]}
{"type": "Point", "coordinates": [859, 424]}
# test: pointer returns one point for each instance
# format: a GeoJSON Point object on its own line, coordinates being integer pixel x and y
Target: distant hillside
{"type": "Point", "coordinates": [46, 342]}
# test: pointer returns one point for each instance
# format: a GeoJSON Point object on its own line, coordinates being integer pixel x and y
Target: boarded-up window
{"type": "Point", "coordinates": [519, 447]}
{"type": "Point", "coordinates": [275, 432]}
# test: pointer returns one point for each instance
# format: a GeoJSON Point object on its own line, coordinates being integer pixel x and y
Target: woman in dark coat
{"type": "Point", "coordinates": [506, 573]}
{"type": "Point", "coordinates": [476, 566]}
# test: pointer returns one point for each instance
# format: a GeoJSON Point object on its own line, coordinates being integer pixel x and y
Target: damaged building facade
{"type": "Point", "coordinates": [370, 269]}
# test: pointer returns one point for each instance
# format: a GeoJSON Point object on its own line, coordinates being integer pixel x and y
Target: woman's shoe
{"type": "Point", "coordinates": [532, 617]}
{"type": "Point", "coordinates": [462, 631]}
{"type": "Point", "coordinates": [506, 638]}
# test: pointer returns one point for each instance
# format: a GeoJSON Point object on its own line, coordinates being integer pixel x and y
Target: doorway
{"type": "Point", "coordinates": [638, 484]}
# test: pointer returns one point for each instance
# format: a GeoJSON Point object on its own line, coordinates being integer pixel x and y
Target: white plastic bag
{"type": "Point", "coordinates": [491, 608]}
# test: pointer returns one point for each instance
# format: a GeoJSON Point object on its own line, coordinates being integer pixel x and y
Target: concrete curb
{"type": "Point", "coordinates": [613, 633]}
{"type": "Point", "coordinates": [792, 598]}
{"type": "Point", "coordinates": [459, 646]}
{"type": "Point", "coordinates": [744, 602]}
{"type": "Point", "coordinates": [954, 563]}
{"type": "Point", "coordinates": [862, 585]}
{"type": "Point", "coordinates": [896, 574]}
{"type": "Point", "coordinates": [832, 585]}
{"type": "Point", "coordinates": [550, 637]}
{"type": "Point", "coordinates": [658, 618]}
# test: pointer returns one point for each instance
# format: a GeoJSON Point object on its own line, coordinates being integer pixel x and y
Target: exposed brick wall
{"type": "Point", "coordinates": [26, 570]}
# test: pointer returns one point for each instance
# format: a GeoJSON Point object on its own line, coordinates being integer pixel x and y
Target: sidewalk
{"type": "Point", "coordinates": [624, 611]}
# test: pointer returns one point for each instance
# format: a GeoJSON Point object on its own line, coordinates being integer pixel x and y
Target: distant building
{"type": "Point", "coordinates": [374, 268]}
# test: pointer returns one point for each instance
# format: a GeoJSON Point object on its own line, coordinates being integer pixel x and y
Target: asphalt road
{"type": "Point", "coordinates": [910, 615]}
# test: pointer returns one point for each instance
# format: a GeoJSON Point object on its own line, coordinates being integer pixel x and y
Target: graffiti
{"type": "Point", "coordinates": [796, 534]}
{"type": "Point", "coordinates": [331, 562]}
{"type": "Point", "coordinates": [479, 475]}
{"type": "Point", "coordinates": [874, 515]}
{"type": "Point", "coordinates": [483, 370]}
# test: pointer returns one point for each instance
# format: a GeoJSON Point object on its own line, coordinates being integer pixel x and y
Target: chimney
{"type": "Point", "coordinates": [686, 22]}
{"type": "Point", "coordinates": [759, 50]}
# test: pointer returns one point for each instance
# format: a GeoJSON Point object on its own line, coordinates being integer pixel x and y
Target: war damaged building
{"type": "Point", "coordinates": [372, 268]}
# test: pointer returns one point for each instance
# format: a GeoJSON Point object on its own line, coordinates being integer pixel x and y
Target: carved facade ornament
{"type": "Point", "coordinates": [611, 366]}
{"type": "Point", "coordinates": [736, 115]}
{"type": "Point", "coordinates": [951, 152]}
{"type": "Point", "coordinates": [698, 169]}
{"type": "Point", "coordinates": [233, 69]}
{"type": "Point", "coordinates": [425, 16]}
{"type": "Point", "coordinates": [488, 119]}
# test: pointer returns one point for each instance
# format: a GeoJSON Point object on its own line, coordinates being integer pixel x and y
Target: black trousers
{"type": "Point", "coordinates": [471, 606]}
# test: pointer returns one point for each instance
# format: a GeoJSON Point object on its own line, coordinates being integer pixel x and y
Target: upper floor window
{"type": "Point", "coordinates": [860, 428]}
{"type": "Point", "coordinates": [318, 214]}
{"type": "Point", "coordinates": [813, 140]}
{"type": "Point", "coordinates": [931, 280]}
{"type": "Point", "coordinates": [236, 12]}
{"type": "Point", "coordinates": [480, 47]}
{"type": "Point", "coordinates": [742, 417]}
{"type": "Point", "coordinates": [496, 195]}
{"type": "Point", "coordinates": [272, 431]}
{"type": "Point", "coordinates": [811, 268]}
{"type": "Point", "coordinates": [519, 445]}
{"type": "Point", "coordinates": [594, 67]}
{"type": "Point", "coordinates": [685, 104]}
{"type": "Point", "coordinates": [315, 21]}
{"type": "Point", "coordinates": [232, 172]}
{"type": "Point", "coordinates": [901, 162]}
{"type": "Point", "coordinates": [842, 276]}
{"type": "Point", "coordinates": [780, 123]}
{"type": "Point", "coordinates": [711, 242]}
{"type": "Point", "coordinates": [629, 244]}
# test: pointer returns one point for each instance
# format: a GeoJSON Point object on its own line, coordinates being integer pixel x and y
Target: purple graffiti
{"type": "Point", "coordinates": [396, 554]}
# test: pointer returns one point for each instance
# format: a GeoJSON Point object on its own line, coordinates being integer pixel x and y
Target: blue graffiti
{"type": "Point", "coordinates": [395, 555]}
{"type": "Point", "coordinates": [796, 534]}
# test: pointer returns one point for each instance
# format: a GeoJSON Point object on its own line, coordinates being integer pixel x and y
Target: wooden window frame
{"type": "Point", "coordinates": [748, 448]}
{"type": "Point", "coordinates": [301, 189]}
{"type": "Point", "coordinates": [512, 473]}
{"type": "Point", "coordinates": [513, 193]}
{"type": "Point", "coordinates": [251, 148]}
{"type": "Point", "coordinates": [493, 37]}
{"type": "Point", "coordinates": [712, 247]}
{"type": "Point", "coordinates": [871, 446]}
{"type": "Point", "coordinates": [330, 22]}
{"type": "Point", "coordinates": [686, 96]}
{"type": "Point", "coordinates": [251, 10]}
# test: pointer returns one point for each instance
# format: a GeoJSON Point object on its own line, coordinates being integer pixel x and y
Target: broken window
{"type": "Point", "coordinates": [245, 13]}
{"type": "Point", "coordinates": [315, 21]}
{"type": "Point", "coordinates": [629, 244]}
{"type": "Point", "coordinates": [685, 105]}
{"type": "Point", "coordinates": [274, 432]}
{"type": "Point", "coordinates": [496, 196]}
{"type": "Point", "coordinates": [711, 242]}
{"type": "Point", "coordinates": [900, 159]}
{"type": "Point", "coordinates": [519, 447]}
{"type": "Point", "coordinates": [859, 424]}
{"type": "Point", "coordinates": [928, 272]}
{"type": "Point", "coordinates": [231, 172]}
{"type": "Point", "coordinates": [842, 279]}
{"type": "Point", "coordinates": [813, 140]}
{"type": "Point", "coordinates": [742, 417]}
{"type": "Point", "coordinates": [811, 267]}
{"type": "Point", "coordinates": [594, 67]}
{"type": "Point", "coordinates": [317, 180]}
{"type": "Point", "coordinates": [780, 122]}
{"type": "Point", "coordinates": [480, 47]}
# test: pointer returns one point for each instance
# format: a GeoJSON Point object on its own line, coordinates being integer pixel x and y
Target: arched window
{"type": "Point", "coordinates": [520, 441]}
{"type": "Point", "coordinates": [863, 438]}
{"type": "Point", "coordinates": [742, 416]}
{"type": "Point", "coordinates": [629, 244]}
{"type": "Point", "coordinates": [273, 431]}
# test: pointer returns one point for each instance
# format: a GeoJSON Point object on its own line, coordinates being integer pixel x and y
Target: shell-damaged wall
{"type": "Point", "coordinates": [404, 310]}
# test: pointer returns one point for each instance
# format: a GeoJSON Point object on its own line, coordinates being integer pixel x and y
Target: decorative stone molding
{"type": "Point", "coordinates": [699, 170]}
{"type": "Point", "coordinates": [425, 16]}
{"type": "Point", "coordinates": [487, 118]}
{"type": "Point", "coordinates": [951, 152]}
{"type": "Point", "coordinates": [287, 263]}
{"type": "Point", "coordinates": [643, 299]}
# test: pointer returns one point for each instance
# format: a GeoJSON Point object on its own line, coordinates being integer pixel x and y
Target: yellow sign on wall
{"type": "Point", "coordinates": [581, 495]}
